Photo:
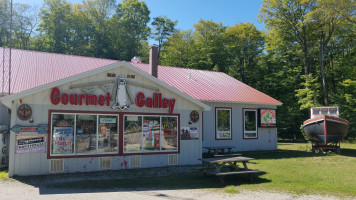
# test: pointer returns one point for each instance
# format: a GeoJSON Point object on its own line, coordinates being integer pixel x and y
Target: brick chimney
{"type": "Point", "coordinates": [153, 61]}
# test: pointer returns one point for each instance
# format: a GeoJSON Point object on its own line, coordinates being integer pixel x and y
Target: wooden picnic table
{"type": "Point", "coordinates": [214, 166]}
{"type": "Point", "coordinates": [220, 148]}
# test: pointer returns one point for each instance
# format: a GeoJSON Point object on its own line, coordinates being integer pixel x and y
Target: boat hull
{"type": "Point", "coordinates": [326, 129]}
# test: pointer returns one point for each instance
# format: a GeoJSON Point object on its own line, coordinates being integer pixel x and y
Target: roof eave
{"type": "Point", "coordinates": [242, 102]}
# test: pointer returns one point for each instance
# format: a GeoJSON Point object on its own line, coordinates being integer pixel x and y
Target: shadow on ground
{"type": "Point", "coordinates": [283, 154]}
{"type": "Point", "coordinates": [172, 178]}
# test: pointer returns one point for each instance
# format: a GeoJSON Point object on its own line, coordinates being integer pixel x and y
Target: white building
{"type": "Point", "coordinates": [78, 114]}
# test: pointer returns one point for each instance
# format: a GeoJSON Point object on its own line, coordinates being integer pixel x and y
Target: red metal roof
{"type": "Point", "coordinates": [32, 69]}
{"type": "Point", "coordinates": [209, 85]}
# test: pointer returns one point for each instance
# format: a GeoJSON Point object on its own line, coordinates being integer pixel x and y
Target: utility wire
{"type": "Point", "coordinates": [3, 57]}
{"type": "Point", "coordinates": [10, 48]}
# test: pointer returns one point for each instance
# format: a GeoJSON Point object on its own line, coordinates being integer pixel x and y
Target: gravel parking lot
{"type": "Point", "coordinates": [15, 190]}
{"type": "Point", "coordinates": [36, 188]}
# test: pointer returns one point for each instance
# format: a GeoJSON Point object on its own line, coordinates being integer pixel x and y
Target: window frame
{"type": "Point", "coordinates": [120, 132]}
{"type": "Point", "coordinates": [160, 151]}
{"type": "Point", "coordinates": [74, 154]}
{"type": "Point", "coordinates": [243, 123]}
{"type": "Point", "coordinates": [117, 132]}
{"type": "Point", "coordinates": [216, 123]}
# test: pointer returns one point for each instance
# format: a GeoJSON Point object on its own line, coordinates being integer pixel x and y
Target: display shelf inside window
{"type": "Point", "coordinates": [150, 133]}
{"type": "Point", "coordinates": [169, 133]}
{"type": "Point", "coordinates": [86, 134]}
{"type": "Point", "coordinates": [107, 137]}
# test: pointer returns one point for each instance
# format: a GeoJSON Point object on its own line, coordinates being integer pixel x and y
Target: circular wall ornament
{"type": "Point", "coordinates": [194, 116]}
{"type": "Point", "coordinates": [24, 112]}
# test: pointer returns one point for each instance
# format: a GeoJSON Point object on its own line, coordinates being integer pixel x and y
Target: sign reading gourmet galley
{"type": "Point", "coordinates": [79, 99]}
{"type": "Point", "coordinates": [155, 102]}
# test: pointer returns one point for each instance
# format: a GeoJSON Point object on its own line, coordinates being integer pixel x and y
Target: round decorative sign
{"type": "Point", "coordinates": [24, 112]}
{"type": "Point", "coordinates": [194, 116]}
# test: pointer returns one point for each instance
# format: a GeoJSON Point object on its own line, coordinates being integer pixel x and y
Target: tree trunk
{"type": "Point", "coordinates": [305, 59]}
{"type": "Point", "coordinates": [322, 68]}
{"type": "Point", "coordinates": [242, 70]}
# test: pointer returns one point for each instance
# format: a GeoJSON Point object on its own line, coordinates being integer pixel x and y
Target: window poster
{"type": "Point", "coordinates": [268, 118]}
{"type": "Point", "coordinates": [30, 143]}
{"type": "Point", "coordinates": [62, 140]}
{"type": "Point", "coordinates": [151, 133]}
{"type": "Point", "coordinates": [189, 133]}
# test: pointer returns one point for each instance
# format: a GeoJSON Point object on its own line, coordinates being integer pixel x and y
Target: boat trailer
{"type": "Point", "coordinates": [335, 147]}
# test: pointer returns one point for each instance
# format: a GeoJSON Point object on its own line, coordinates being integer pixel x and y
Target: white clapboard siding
{"type": "Point", "coordinates": [267, 137]}
{"type": "Point", "coordinates": [37, 163]}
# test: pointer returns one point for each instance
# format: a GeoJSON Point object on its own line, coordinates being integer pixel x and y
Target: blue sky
{"type": "Point", "coordinates": [189, 12]}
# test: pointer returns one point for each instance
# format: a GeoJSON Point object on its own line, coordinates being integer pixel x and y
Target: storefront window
{"type": "Point", "coordinates": [250, 123]}
{"type": "Point", "coordinates": [85, 140]}
{"type": "Point", "coordinates": [62, 134]}
{"type": "Point", "coordinates": [89, 134]}
{"type": "Point", "coordinates": [133, 133]}
{"type": "Point", "coordinates": [223, 123]}
{"type": "Point", "coordinates": [150, 133]}
{"type": "Point", "coordinates": [80, 134]}
{"type": "Point", "coordinates": [107, 137]}
{"type": "Point", "coordinates": [169, 133]}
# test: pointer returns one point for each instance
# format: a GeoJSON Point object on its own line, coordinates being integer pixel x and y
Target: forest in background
{"type": "Point", "coordinates": [306, 56]}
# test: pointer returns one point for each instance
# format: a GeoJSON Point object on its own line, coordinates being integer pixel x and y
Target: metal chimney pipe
{"type": "Point", "coordinates": [154, 61]}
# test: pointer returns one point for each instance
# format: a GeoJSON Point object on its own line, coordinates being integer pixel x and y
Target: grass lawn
{"type": "Point", "coordinates": [4, 176]}
{"type": "Point", "coordinates": [292, 169]}
{"type": "Point", "coordinates": [295, 170]}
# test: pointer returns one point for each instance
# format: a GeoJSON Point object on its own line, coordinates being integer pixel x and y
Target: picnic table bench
{"type": "Point", "coordinates": [217, 149]}
{"type": "Point", "coordinates": [214, 166]}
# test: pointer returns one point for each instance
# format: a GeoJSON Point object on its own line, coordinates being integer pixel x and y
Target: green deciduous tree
{"type": "Point", "coordinates": [4, 22]}
{"type": "Point", "coordinates": [284, 18]}
{"type": "Point", "coordinates": [243, 44]}
{"type": "Point", "coordinates": [55, 25]}
{"type": "Point", "coordinates": [132, 17]}
{"type": "Point", "coordinates": [99, 13]}
{"type": "Point", "coordinates": [25, 20]}
{"type": "Point", "coordinates": [326, 17]}
{"type": "Point", "coordinates": [179, 49]}
{"type": "Point", "coordinates": [209, 46]}
{"type": "Point", "coordinates": [163, 28]}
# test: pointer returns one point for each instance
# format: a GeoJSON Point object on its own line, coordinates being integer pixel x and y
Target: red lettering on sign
{"type": "Point", "coordinates": [172, 102]}
{"type": "Point", "coordinates": [149, 102]}
{"type": "Point", "coordinates": [65, 98]}
{"type": "Point", "coordinates": [155, 102]}
{"type": "Point", "coordinates": [140, 102]}
{"type": "Point", "coordinates": [108, 99]}
{"type": "Point", "coordinates": [91, 99]}
{"type": "Point", "coordinates": [73, 99]}
{"type": "Point", "coordinates": [101, 100]}
{"type": "Point", "coordinates": [55, 98]}
{"type": "Point", "coordinates": [79, 99]}
{"type": "Point", "coordinates": [165, 103]}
